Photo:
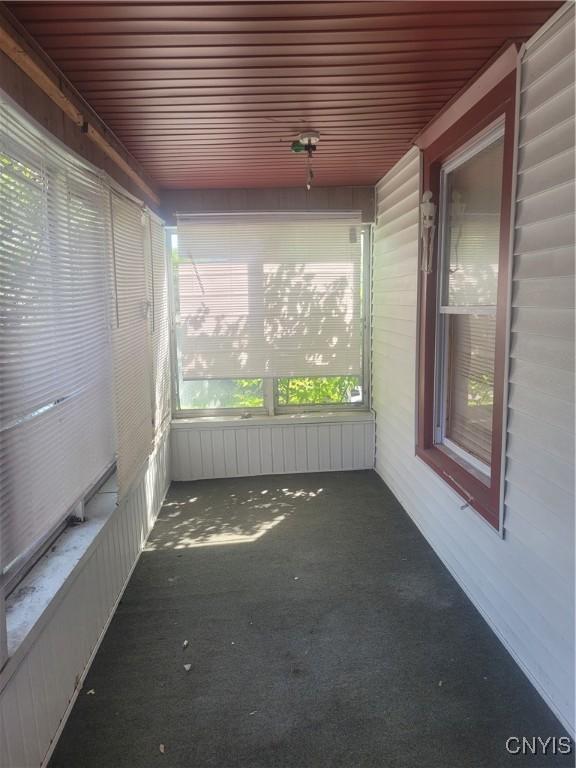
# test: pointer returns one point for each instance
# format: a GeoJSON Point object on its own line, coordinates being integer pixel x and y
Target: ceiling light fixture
{"type": "Point", "coordinates": [307, 142]}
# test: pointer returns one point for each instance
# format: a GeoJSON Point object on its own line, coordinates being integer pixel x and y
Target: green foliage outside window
{"type": "Point", "coordinates": [221, 393]}
{"type": "Point", "coordinates": [321, 390]}
{"type": "Point", "coordinates": [248, 393]}
{"type": "Point", "coordinates": [481, 390]}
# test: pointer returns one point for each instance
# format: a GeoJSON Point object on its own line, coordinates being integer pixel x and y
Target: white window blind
{"type": "Point", "coordinates": [132, 351]}
{"type": "Point", "coordinates": [56, 424]}
{"type": "Point", "coordinates": [160, 322]}
{"type": "Point", "coordinates": [470, 386]}
{"type": "Point", "coordinates": [269, 295]}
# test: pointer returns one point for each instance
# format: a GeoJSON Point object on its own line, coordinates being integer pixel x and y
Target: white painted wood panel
{"type": "Point", "coordinates": [274, 199]}
{"type": "Point", "coordinates": [523, 584]}
{"type": "Point", "coordinates": [38, 692]}
{"type": "Point", "coordinates": [202, 450]}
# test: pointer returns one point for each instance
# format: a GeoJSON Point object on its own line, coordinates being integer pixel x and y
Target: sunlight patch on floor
{"type": "Point", "coordinates": [244, 518]}
{"type": "Point", "coordinates": [233, 536]}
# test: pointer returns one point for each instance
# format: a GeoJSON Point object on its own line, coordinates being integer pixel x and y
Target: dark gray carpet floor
{"type": "Point", "coordinates": [322, 632]}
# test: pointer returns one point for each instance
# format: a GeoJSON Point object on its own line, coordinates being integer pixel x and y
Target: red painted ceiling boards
{"type": "Point", "coordinates": [211, 94]}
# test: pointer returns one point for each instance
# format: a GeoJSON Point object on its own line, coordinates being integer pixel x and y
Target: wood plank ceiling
{"type": "Point", "coordinates": [211, 94]}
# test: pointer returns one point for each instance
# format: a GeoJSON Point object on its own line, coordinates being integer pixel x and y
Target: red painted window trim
{"type": "Point", "coordinates": [484, 498]}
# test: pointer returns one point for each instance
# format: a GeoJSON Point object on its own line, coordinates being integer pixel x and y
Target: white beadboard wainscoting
{"type": "Point", "coordinates": [39, 684]}
{"type": "Point", "coordinates": [523, 583]}
{"type": "Point", "coordinates": [219, 447]}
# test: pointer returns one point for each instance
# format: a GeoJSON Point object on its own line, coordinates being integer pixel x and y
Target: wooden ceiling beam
{"type": "Point", "coordinates": [15, 49]}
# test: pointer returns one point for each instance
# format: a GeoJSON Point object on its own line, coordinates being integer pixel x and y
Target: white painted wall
{"type": "Point", "coordinates": [523, 584]}
{"type": "Point", "coordinates": [40, 685]}
{"type": "Point", "coordinates": [271, 445]}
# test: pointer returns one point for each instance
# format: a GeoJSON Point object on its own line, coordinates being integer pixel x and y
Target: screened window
{"type": "Point", "coordinates": [471, 194]}
{"type": "Point", "coordinates": [269, 311]}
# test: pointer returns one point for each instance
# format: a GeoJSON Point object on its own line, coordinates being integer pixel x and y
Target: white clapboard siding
{"type": "Point", "coordinates": [523, 583]}
{"type": "Point", "coordinates": [204, 450]}
{"type": "Point", "coordinates": [37, 696]}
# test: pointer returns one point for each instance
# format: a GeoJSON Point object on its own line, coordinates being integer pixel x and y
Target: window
{"type": "Point", "coordinates": [468, 169]}
{"type": "Point", "coordinates": [133, 386]}
{"type": "Point", "coordinates": [269, 312]}
{"type": "Point", "coordinates": [320, 390]}
{"type": "Point", "coordinates": [221, 393]}
{"type": "Point", "coordinates": [84, 339]}
{"type": "Point", "coordinates": [471, 197]}
{"type": "Point", "coordinates": [55, 352]}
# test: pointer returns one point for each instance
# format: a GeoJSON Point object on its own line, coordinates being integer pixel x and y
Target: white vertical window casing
{"type": "Point", "coordinates": [160, 323]}
{"type": "Point", "coordinates": [132, 352]}
{"type": "Point", "coordinates": [271, 295]}
{"type": "Point", "coordinates": [56, 420]}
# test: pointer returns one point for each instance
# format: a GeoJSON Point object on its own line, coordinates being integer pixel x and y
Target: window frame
{"type": "Point", "coordinates": [445, 311]}
{"type": "Point", "coordinates": [271, 405]}
{"type": "Point", "coordinates": [479, 491]}
{"type": "Point", "coordinates": [19, 569]}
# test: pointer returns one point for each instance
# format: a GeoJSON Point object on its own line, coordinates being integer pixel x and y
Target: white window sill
{"type": "Point", "coordinates": [257, 420]}
{"type": "Point", "coordinates": [34, 600]}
